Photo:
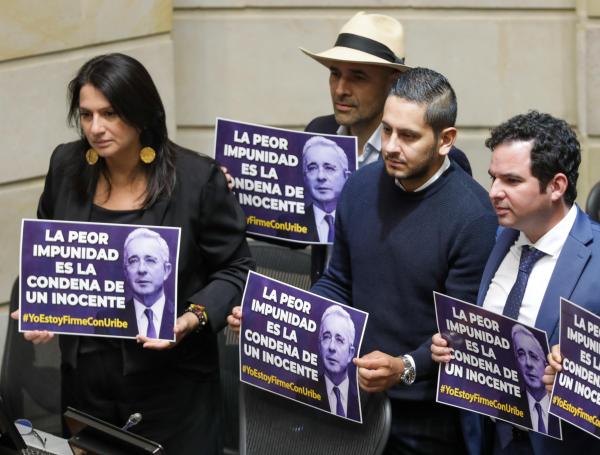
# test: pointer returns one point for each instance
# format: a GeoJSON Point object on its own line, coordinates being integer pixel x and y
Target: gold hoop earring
{"type": "Point", "coordinates": [147, 155]}
{"type": "Point", "coordinates": [91, 156]}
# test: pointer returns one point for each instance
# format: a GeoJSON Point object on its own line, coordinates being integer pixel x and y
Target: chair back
{"type": "Point", "coordinates": [292, 266]}
{"type": "Point", "coordinates": [270, 424]}
{"type": "Point", "coordinates": [30, 377]}
{"type": "Point", "coordinates": [592, 204]}
{"type": "Point", "coordinates": [278, 262]}
{"type": "Point", "coordinates": [229, 360]}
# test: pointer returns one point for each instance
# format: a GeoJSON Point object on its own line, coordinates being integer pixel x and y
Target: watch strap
{"type": "Point", "coordinates": [410, 371]}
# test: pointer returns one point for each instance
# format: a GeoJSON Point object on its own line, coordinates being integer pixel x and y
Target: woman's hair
{"type": "Point", "coordinates": [133, 96]}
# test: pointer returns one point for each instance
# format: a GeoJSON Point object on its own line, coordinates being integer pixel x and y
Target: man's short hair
{"type": "Point", "coordinates": [429, 88]}
{"type": "Point", "coordinates": [320, 141]}
{"type": "Point", "coordinates": [163, 247]}
{"type": "Point", "coordinates": [555, 148]}
{"type": "Point", "coordinates": [518, 329]}
{"type": "Point", "coordinates": [339, 311]}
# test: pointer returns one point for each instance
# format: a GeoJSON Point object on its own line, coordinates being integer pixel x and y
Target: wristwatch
{"type": "Point", "coordinates": [409, 374]}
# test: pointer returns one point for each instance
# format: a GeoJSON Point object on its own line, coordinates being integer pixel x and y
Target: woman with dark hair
{"type": "Point", "coordinates": [125, 170]}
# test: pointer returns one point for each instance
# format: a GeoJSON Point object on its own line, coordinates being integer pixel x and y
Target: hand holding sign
{"type": "Point", "coordinates": [35, 336]}
{"type": "Point", "coordinates": [234, 320]}
{"type": "Point", "coordinates": [184, 324]}
{"type": "Point", "coordinates": [553, 367]}
{"type": "Point", "coordinates": [228, 177]}
{"type": "Point", "coordinates": [440, 352]}
{"type": "Point", "coordinates": [378, 371]}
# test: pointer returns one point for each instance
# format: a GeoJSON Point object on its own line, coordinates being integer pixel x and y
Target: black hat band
{"type": "Point", "coordinates": [367, 45]}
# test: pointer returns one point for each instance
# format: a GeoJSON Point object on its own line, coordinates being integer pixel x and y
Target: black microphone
{"type": "Point", "coordinates": [133, 419]}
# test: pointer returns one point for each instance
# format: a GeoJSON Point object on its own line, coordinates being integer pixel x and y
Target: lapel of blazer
{"type": "Point", "coordinates": [573, 258]}
{"type": "Point", "coordinates": [79, 209]}
{"type": "Point", "coordinates": [312, 223]}
{"type": "Point", "coordinates": [167, 323]}
{"type": "Point", "coordinates": [505, 240]}
{"type": "Point", "coordinates": [155, 215]}
{"type": "Point", "coordinates": [131, 317]}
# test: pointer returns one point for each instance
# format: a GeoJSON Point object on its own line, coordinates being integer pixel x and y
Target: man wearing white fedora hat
{"type": "Point", "coordinates": [364, 62]}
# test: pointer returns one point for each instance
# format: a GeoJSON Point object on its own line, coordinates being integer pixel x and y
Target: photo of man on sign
{"type": "Point", "coordinates": [147, 266]}
{"type": "Point", "coordinates": [336, 336]}
{"type": "Point", "coordinates": [325, 170]}
{"type": "Point", "coordinates": [531, 362]}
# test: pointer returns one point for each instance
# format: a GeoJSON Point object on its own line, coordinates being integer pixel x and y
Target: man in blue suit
{"type": "Point", "coordinates": [548, 249]}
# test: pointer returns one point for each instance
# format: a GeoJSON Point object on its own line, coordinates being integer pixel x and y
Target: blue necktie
{"type": "Point", "coordinates": [529, 256]}
{"type": "Point", "coordinates": [541, 426]}
{"type": "Point", "coordinates": [331, 231]}
{"type": "Point", "coordinates": [339, 409]}
{"type": "Point", "coordinates": [151, 330]}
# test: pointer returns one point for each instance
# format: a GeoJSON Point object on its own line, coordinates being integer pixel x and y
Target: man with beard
{"type": "Point", "coordinates": [363, 64]}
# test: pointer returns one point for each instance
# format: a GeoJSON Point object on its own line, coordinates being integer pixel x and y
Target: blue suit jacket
{"type": "Point", "coordinates": [576, 277]}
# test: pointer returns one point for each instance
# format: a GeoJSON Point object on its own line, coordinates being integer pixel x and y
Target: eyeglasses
{"type": "Point", "coordinates": [25, 427]}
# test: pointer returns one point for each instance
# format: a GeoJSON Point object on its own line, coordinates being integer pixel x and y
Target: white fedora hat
{"type": "Point", "coordinates": [373, 39]}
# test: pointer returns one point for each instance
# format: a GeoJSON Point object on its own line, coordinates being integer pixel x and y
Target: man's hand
{"type": "Point", "coordinates": [35, 336]}
{"type": "Point", "coordinates": [184, 324]}
{"type": "Point", "coordinates": [235, 319]}
{"type": "Point", "coordinates": [228, 177]}
{"type": "Point", "coordinates": [553, 367]}
{"type": "Point", "coordinates": [440, 352]}
{"type": "Point", "coordinates": [378, 371]}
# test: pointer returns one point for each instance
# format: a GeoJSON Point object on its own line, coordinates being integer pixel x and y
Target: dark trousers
{"type": "Point", "coordinates": [519, 445]}
{"type": "Point", "coordinates": [180, 412]}
{"type": "Point", "coordinates": [424, 428]}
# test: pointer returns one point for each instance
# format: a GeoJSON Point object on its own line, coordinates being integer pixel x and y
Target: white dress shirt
{"type": "Point", "coordinates": [157, 312]}
{"type": "Point", "coordinates": [343, 386]}
{"type": "Point", "coordinates": [371, 150]}
{"type": "Point", "coordinates": [550, 243]}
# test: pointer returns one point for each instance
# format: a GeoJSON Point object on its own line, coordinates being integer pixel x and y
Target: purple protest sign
{"type": "Point", "coordinates": [98, 279]}
{"type": "Point", "coordinates": [300, 346]}
{"type": "Point", "coordinates": [576, 391]}
{"type": "Point", "coordinates": [496, 368]}
{"type": "Point", "coordinates": [287, 182]}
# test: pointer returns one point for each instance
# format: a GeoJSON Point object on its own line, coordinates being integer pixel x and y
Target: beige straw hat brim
{"type": "Point", "coordinates": [346, 54]}
{"type": "Point", "coordinates": [372, 39]}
